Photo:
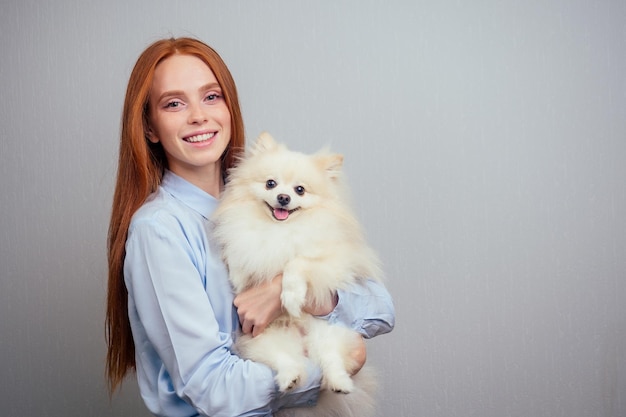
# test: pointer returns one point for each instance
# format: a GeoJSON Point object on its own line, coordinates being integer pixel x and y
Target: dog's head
{"type": "Point", "coordinates": [288, 183]}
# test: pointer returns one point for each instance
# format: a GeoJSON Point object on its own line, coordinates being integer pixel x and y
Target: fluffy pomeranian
{"type": "Point", "coordinates": [287, 212]}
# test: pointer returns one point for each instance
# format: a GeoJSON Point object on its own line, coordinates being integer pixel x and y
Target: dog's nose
{"type": "Point", "coordinates": [283, 199]}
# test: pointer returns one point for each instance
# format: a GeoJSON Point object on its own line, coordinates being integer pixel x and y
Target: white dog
{"type": "Point", "coordinates": [286, 212]}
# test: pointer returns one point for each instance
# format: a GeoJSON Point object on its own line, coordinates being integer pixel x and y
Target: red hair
{"type": "Point", "coordinates": [140, 170]}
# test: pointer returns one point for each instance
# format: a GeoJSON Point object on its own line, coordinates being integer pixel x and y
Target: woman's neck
{"type": "Point", "coordinates": [208, 179]}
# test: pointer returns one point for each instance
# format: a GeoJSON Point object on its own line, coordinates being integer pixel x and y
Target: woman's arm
{"type": "Point", "coordinates": [177, 327]}
{"type": "Point", "coordinates": [366, 307]}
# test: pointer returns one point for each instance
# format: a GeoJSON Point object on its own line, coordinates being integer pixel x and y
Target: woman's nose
{"type": "Point", "coordinates": [197, 114]}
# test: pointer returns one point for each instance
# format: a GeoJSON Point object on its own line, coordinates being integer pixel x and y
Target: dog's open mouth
{"type": "Point", "coordinates": [280, 213]}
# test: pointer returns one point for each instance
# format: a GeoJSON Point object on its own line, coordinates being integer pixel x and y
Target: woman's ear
{"type": "Point", "coordinates": [151, 136]}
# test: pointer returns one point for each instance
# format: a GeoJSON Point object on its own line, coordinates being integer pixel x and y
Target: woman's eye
{"type": "Point", "coordinates": [269, 184]}
{"type": "Point", "coordinates": [299, 190]}
{"type": "Point", "coordinates": [213, 97]}
{"type": "Point", "coordinates": [172, 104]}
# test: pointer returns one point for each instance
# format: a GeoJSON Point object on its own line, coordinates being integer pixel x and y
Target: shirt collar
{"type": "Point", "coordinates": [190, 195]}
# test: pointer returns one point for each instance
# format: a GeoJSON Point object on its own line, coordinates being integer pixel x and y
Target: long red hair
{"type": "Point", "coordinates": [140, 170]}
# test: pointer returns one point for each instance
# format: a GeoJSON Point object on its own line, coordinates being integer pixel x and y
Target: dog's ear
{"type": "Point", "coordinates": [265, 142]}
{"type": "Point", "coordinates": [331, 163]}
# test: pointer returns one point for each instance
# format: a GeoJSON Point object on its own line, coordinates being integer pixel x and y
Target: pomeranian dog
{"type": "Point", "coordinates": [287, 212]}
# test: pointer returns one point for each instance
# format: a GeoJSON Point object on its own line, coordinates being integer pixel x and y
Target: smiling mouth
{"type": "Point", "coordinates": [200, 138]}
{"type": "Point", "coordinates": [281, 214]}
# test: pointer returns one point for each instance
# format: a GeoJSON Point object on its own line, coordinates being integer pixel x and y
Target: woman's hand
{"type": "Point", "coordinates": [258, 306]}
{"type": "Point", "coordinates": [359, 356]}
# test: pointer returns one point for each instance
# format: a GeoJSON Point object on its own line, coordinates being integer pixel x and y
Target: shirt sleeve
{"type": "Point", "coordinates": [366, 307]}
{"type": "Point", "coordinates": [182, 330]}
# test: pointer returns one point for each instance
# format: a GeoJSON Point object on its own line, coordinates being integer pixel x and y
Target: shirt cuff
{"type": "Point", "coordinates": [366, 309]}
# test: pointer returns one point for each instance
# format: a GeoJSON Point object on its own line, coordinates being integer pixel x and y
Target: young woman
{"type": "Point", "coordinates": [171, 314]}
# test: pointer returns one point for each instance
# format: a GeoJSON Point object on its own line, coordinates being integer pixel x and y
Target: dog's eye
{"type": "Point", "coordinates": [269, 184]}
{"type": "Point", "coordinates": [299, 190]}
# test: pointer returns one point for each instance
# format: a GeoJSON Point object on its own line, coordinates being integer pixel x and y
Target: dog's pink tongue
{"type": "Point", "coordinates": [281, 214]}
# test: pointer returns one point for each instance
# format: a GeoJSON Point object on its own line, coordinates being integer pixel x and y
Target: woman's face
{"type": "Point", "coordinates": [189, 116]}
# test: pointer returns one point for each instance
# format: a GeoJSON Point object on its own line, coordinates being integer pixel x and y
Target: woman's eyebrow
{"type": "Point", "coordinates": [210, 86]}
{"type": "Point", "coordinates": [172, 93]}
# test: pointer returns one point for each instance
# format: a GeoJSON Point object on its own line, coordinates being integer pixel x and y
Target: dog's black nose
{"type": "Point", "coordinates": [283, 199]}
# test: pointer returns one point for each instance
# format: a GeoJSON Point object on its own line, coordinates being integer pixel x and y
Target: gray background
{"type": "Point", "coordinates": [484, 143]}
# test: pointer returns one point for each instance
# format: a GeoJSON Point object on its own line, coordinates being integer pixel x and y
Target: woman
{"type": "Point", "coordinates": [171, 315]}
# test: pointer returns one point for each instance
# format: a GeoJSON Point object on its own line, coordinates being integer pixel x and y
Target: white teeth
{"type": "Point", "coordinates": [200, 138]}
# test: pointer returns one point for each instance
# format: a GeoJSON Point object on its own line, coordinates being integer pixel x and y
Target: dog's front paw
{"type": "Point", "coordinates": [291, 306]}
{"type": "Point", "coordinates": [293, 296]}
{"type": "Point", "coordinates": [288, 379]}
{"type": "Point", "coordinates": [340, 383]}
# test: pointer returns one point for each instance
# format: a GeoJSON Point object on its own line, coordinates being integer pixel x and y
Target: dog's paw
{"type": "Point", "coordinates": [340, 383]}
{"type": "Point", "coordinates": [287, 380]}
{"type": "Point", "coordinates": [292, 306]}
{"type": "Point", "coordinates": [293, 296]}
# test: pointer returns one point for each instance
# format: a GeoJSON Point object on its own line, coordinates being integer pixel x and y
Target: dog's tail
{"type": "Point", "coordinates": [359, 403]}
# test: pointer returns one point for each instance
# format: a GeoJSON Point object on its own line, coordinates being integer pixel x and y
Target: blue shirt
{"type": "Point", "coordinates": [180, 306]}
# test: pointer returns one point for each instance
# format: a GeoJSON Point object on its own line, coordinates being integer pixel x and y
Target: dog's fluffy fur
{"type": "Point", "coordinates": [286, 212]}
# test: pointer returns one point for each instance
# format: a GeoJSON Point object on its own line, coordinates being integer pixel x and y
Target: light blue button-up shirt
{"type": "Point", "coordinates": [180, 305]}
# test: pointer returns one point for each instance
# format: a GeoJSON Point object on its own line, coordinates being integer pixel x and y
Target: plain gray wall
{"type": "Point", "coordinates": [485, 143]}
